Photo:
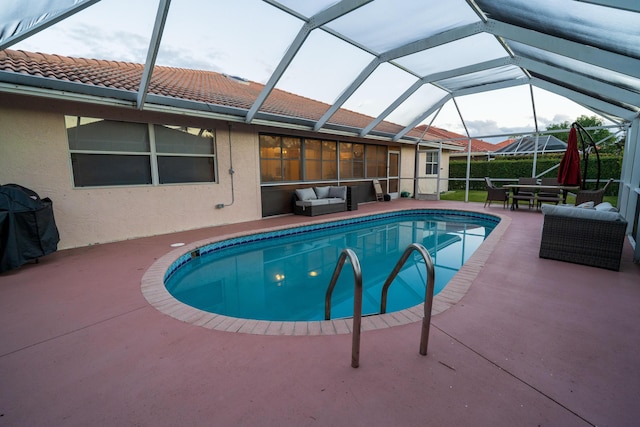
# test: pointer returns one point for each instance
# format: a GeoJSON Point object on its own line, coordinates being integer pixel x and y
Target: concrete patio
{"type": "Point", "coordinates": [534, 342]}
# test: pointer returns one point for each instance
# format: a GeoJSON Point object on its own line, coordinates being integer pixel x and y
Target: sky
{"type": "Point", "coordinates": [247, 38]}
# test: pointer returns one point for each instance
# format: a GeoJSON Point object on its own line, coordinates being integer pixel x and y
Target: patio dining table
{"type": "Point", "coordinates": [535, 188]}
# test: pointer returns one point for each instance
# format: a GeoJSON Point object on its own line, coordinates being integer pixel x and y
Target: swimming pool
{"type": "Point", "coordinates": [283, 275]}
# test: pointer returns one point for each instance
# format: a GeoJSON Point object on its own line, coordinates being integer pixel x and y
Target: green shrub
{"type": "Point", "coordinates": [514, 167]}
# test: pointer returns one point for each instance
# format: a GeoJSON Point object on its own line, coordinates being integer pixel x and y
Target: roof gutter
{"type": "Point", "coordinates": [97, 95]}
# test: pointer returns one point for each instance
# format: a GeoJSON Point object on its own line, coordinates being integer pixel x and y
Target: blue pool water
{"type": "Point", "coordinates": [283, 275]}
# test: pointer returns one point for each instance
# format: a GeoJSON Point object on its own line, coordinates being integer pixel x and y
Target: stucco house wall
{"type": "Point", "coordinates": [34, 153]}
{"type": "Point", "coordinates": [444, 170]}
{"type": "Point", "coordinates": [428, 184]}
{"type": "Point", "coordinates": [407, 166]}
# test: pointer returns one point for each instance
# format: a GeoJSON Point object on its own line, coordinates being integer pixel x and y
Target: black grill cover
{"type": "Point", "coordinates": [27, 228]}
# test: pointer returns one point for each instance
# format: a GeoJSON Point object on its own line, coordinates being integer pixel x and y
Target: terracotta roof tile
{"type": "Point", "coordinates": [504, 143]}
{"type": "Point", "coordinates": [477, 145]}
{"type": "Point", "coordinates": [195, 85]}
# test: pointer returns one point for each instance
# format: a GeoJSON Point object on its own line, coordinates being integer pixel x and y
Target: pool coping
{"type": "Point", "coordinates": [154, 291]}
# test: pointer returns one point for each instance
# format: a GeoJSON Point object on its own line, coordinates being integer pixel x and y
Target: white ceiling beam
{"type": "Point", "coordinates": [364, 74]}
{"type": "Point", "coordinates": [421, 117]}
{"type": "Point", "coordinates": [46, 23]}
{"type": "Point", "coordinates": [279, 71]}
{"type": "Point", "coordinates": [578, 51]}
{"type": "Point", "coordinates": [579, 81]}
{"type": "Point", "coordinates": [585, 100]}
{"type": "Point", "coordinates": [152, 53]}
{"type": "Point", "coordinates": [408, 49]}
{"type": "Point", "coordinates": [490, 86]}
{"type": "Point", "coordinates": [630, 5]}
{"type": "Point", "coordinates": [474, 68]}
{"type": "Point", "coordinates": [323, 17]}
{"type": "Point", "coordinates": [481, 66]}
{"type": "Point", "coordinates": [435, 40]}
{"type": "Point", "coordinates": [395, 104]}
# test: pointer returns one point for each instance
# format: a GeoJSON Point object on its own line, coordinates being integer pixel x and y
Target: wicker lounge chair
{"type": "Point", "coordinates": [594, 196]}
{"type": "Point", "coordinates": [496, 194]}
{"type": "Point", "coordinates": [549, 195]}
{"type": "Point", "coordinates": [528, 196]}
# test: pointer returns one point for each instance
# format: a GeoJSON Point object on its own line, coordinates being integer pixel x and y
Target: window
{"type": "Point", "coordinates": [320, 160]}
{"type": "Point", "coordinates": [290, 159]}
{"type": "Point", "coordinates": [112, 153]}
{"type": "Point", "coordinates": [376, 161]}
{"type": "Point", "coordinates": [351, 160]}
{"type": "Point", "coordinates": [431, 163]}
{"type": "Point", "coordinates": [184, 154]}
{"type": "Point", "coordinates": [279, 158]}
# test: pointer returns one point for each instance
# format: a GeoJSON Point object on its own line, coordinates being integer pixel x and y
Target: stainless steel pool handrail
{"type": "Point", "coordinates": [428, 298]}
{"type": "Point", "coordinates": [357, 300]}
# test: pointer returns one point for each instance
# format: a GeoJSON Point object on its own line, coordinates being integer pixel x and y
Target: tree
{"type": "Point", "coordinates": [563, 136]}
{"type": "Point", "coordinates": [606, 141]}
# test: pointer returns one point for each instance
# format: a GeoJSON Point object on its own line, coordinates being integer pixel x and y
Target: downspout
{"type": "Point", "coordinates": [231, 172]}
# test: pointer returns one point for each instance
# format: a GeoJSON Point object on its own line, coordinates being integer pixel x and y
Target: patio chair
{"type": "Point", "coordinates": [594, 196]}
{"type": "Point", "coordinates": [496, 194]}
{"type": "Point", "coordinates": [548, 195]}
{"type": "Point", "coordinates": [520, 195]}
{"type": "Point", "coordinates": [378, 189]}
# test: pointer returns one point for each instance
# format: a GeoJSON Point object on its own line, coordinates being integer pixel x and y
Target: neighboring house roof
{"type": "Point", "coordinates": [480, 146]}
{"type": "Point", "coordinates": [504, 143]}
{"type": "Point", "coordinates": [527, 145]}
{"type": "Point", "coordinates": [206, 87]}
{"type": "Point", "coordinates": [477, 145]}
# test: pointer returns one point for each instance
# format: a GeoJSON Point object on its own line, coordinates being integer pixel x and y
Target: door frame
{"type": "Point", "coordinates": [390, 154]}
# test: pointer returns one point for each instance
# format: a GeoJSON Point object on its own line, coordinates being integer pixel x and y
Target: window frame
{"type": "Point", "coordinates": [347, 155]}
{"type": "Point", "coordinates": [351, 159]}
{"type": "Point", "coordinates": [378, 160]}
{"type": "Point", "coordinates": [433, 164]}
{"type": "Point", "coordinates": [151, 154]}
{"type": "Point", "coordinates": [281, 158]}
{"type": "Point", "coordinates": [323, 162]}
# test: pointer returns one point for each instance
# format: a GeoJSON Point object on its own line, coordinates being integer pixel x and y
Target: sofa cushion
{"type": "Point", "coordinates": [312, 202]}
{"type": "Point", "coordinates": [340, 192]}
{"type": "Point", "coordinates": [334, 200]}
{"type": "Point", "coordinates": [322, 192]}
{"type": "Point", "coordinates": [306, 194]}
{"type": "Point", "coordinates": [578, 213]}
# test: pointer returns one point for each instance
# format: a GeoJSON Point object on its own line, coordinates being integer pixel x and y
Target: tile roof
{"type": "Point", "coordinates": [194, 85]}
{"type": "Point", "coordinates": [504, 143]}
{"type": "Point", "coordinates": [477, 145]}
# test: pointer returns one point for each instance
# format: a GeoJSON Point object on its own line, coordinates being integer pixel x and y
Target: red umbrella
{"type": "Point", "coordinates": [569, 170]}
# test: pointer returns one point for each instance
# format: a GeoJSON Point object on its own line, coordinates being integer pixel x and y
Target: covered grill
{"type": "Point", "coordinates": [27, 227]}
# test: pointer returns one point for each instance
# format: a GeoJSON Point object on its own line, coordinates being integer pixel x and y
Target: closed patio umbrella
{"type": "Point", "coordinates": [569, 170]}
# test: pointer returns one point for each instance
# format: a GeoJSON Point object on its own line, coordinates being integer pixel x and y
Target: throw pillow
{"type": "Point", "coordinates": [586, 205]}
{"type": "Point", "coordinates": [605, 207]}
{"type": "Point", "coordinates": [306, 194]}
{"type": "Point", "coordinates": [322, 192]}
{"type": "Point", "coordinates": [339, 192]}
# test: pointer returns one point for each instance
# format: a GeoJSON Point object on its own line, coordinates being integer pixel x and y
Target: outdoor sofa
{"type": "Point", "coordinates": [591, 236]}
{"type": "Point", "coordinates": [320, 200]}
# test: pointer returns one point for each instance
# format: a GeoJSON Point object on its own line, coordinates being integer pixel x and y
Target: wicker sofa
{"type": "Point", "coordinates": [320, 200]}
{"type": "Point", "coordinates": [592, 237]}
